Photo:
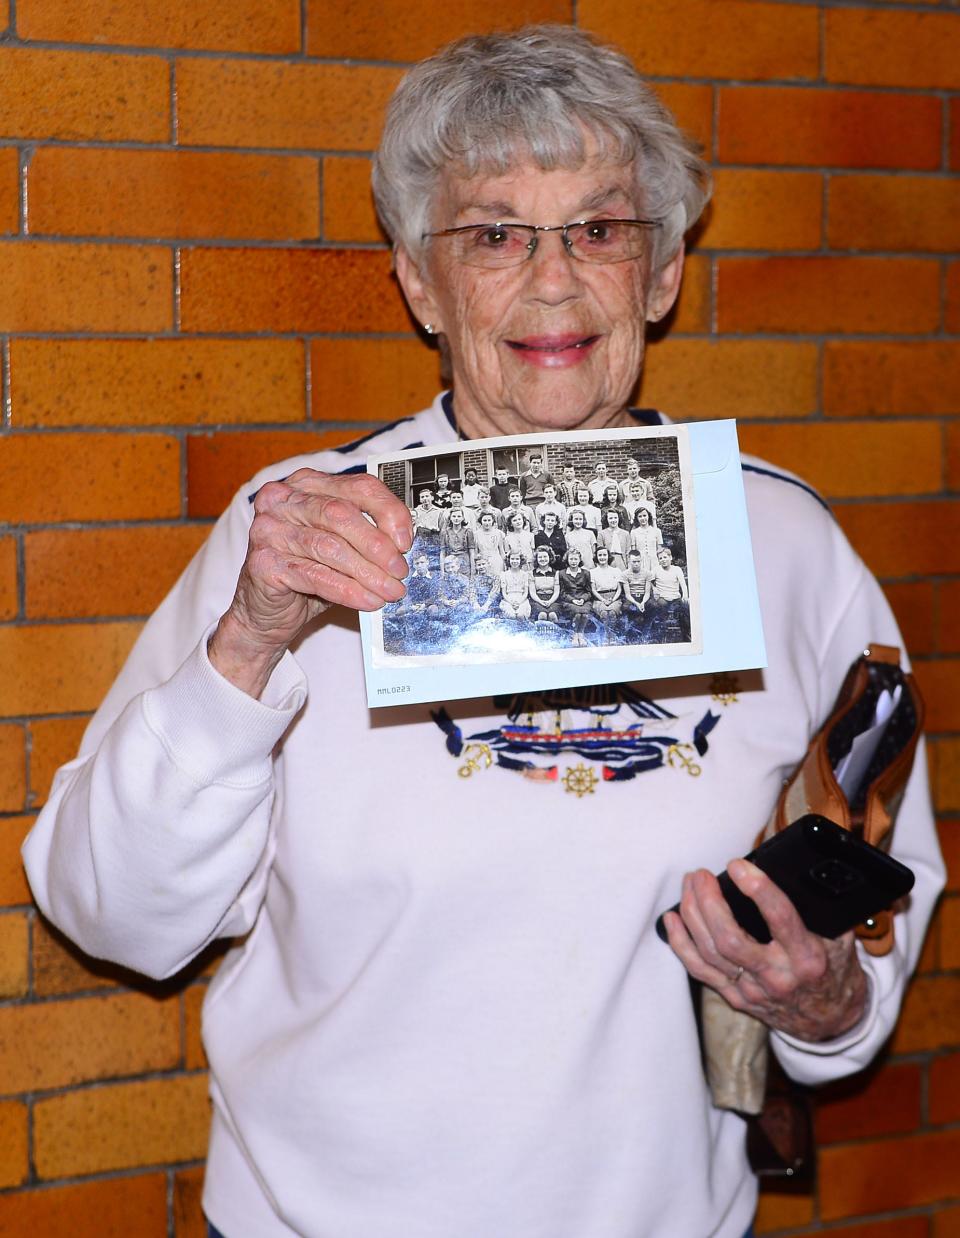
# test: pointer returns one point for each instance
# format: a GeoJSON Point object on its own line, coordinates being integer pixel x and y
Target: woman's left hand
{"type": "Point", "coordinates": [807, 986]}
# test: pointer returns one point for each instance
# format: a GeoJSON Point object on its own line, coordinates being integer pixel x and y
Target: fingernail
{"type": "Point", "coordinates": [398, 567]}
{"type": "Point", "coordinates": [404, 540]}
{"type": "Point", "coordinates": [737, 868]}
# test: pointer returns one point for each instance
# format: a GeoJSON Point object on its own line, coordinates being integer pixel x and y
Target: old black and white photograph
{"type": "Point", "coordinates": [527, 548]}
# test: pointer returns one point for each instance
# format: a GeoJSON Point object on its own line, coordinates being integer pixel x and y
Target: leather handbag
{"type": "Point", "coordinates": [735, 1044]}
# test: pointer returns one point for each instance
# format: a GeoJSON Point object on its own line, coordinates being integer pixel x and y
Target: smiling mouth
{"type": "Point", "coordinates": [553, 344]}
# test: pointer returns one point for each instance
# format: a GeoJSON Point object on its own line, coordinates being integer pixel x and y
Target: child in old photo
{"type": "Point", "coordinates": [580, 538]}
{"type": "Point", "coordinates": [544, 586]}
{"type": "Point", "coordinates": [606, 585]}
{"type": "Point", "coordinates": [646, 538]}
{"type": "Point", "coordinates": [576, 597]}
{"type": "Point", "coordinates": [520, 538]}
{"type": "Point", "coordinates": [615, 538]}
{"type": "Point", "coordinates": [488, 542]}
{"type": "Point", "coordinates": [551, 535]}
{"type": "Point", "coordinates": [515, 589]}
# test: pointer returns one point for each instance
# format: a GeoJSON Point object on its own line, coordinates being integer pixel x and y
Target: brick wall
{"type": "Point", "coordinates": [193, 284]}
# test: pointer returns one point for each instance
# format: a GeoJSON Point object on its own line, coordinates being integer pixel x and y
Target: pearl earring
{"type": "Point", "coordinates": [429, 328]}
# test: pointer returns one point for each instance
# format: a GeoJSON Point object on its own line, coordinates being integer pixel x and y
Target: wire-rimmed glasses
{"type": "Point", "coordinates": [588, 240]}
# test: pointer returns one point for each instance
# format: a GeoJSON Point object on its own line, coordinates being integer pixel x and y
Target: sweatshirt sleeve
{"type": "Point", "coordinates": [156, 838]}
{"type": "Point", "coordinates": [862, 617]}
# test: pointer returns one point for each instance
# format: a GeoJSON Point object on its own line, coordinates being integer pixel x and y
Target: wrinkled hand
{"type": "Point", "coordinates": [807, 986]}
{"type": "Point", "coordinates": [310, 546]}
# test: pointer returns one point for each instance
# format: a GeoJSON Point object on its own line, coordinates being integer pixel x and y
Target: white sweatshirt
{"type": "Point", "coordinates": [449, 1015]}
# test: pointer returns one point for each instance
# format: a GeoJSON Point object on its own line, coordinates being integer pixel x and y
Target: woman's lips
{"type": "Point", "coordinates": [554, 351]}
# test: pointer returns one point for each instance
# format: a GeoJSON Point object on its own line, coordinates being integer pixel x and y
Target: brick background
{"type": "Point", "coordinates": [194, 284]}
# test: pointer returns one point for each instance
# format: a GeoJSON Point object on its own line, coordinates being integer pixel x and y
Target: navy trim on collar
{"type": "Point", "coordinates": [346, 448]}
{"type": "Point", "coordinates": [792, 481]}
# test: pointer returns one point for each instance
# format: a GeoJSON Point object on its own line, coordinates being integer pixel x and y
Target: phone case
{"type": "Point", "coordinates": [833, 878]}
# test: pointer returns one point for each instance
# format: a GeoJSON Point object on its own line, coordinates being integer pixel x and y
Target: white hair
{"type": "Point", "coordinates": [485, 102]}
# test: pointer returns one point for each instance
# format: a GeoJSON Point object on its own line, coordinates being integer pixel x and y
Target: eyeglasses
{"type": "Point", "coordinates": [500, 245]}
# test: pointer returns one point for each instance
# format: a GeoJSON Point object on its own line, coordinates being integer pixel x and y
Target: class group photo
{"type": "Point", "coordinates": [532, 547]}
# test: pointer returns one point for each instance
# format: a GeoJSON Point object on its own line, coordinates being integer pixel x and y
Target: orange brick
{"type": "Point", "coordinates": [290, 290]}
{"type": "Point", "coordinates": [692, 108]}
{"type": "Point", "coordinates": [14, 951]}
{"type": "Point", "coordinates": [949, 616]}
{"type": "Point", "coordinates": [694, 308]}
{"type": "Point", "coordinates": [836, 128]}
{"type": "Point", "coordinates": [81, 96]}
{"type": "Point", "coordinates": [955, 134]}
{"type": "Point", "coordinates": [115, 1208]}
{"type": "Point", "coordinates": [892, 48]}
{"type": "Point", "coordinates": [53, 742]}
{"type": "Point", "coordinates": [13, 767]}
{"type": "Point", "coordinates": [51, 287]}
{"type": "Point", "coordinates": [930, 1017]}
{"type": "Point", "coordinates": [905, 539]}
{"type": "Point", "coordinates": [913, 606]}
{"type": "Point", "coordinates": [695, 378]}
{"type": "Point", "coordinates": [894, 1173]}
{"type": "Point", "coordinates": [929, 960]}
{"type": "Point", "coordinates": [894, 212]}
{"type": "Point", "coordinates": [9, 599]}
{"type": "Point", "coordinates": [216, 25]}
{"type": "Point", "coordinates": [14, 890]}
{"type": "Point", "coordinates": [84, 573]}
{"type": "Point", "coordinates": [895, 458]}
{"type": "Point", "coordinates": [53, 477]}
{"type": "Point", "coordinates": [950, 934]}
{"type": "Point", "coordinates": [891, 377]}
{"type": "Point", "coordinates": [348, 213]}
{"type": "Point", "coordinates": [217, 464]}
{"type": "Point", "coordinates": [189, 1221]}
{"type": "Point", "coordinates": [946, 785]}
{"type": "Point", "coordinates": [371, 380]}
{"type": "Point", "coordinates": [946, 1223]}
{"type": "Point", "coordinates": [952, 315]}
{"type": "Point", "coordinates": [953, 456]}
{"type": "Point", "coordinates": [56, 1044]}
{"type": "Point", "coordinates": [121, 1126]}
{"type": "Point", "coordinates": [94, 192]}
{"type": "Point", "coordinates": [780, 1209]}
{"type": "Point", "coordinates": [395, 30]}
{"type": "Point", "coordinates": [884, 1101]}
{"type": "Point", "coordinates": [949, 835]}
{"type": "Point", "coordinates": [59, 967]}
{"type": "Point", "coordinates": [828, 294]}
{"type": "Point", "coordinates": [156, 382]}
{"type": "Point", "coordinates": [945, 1089]}
{"type": "Point", "coordinates": [194, 1057]}
{"type": "Point", "coordinates": [939, 681]}
{"type": "Point", "coordinates": [901, 1227]}
{"type": "Point", "coordinates": [9, 189]}
{"type": "Point", "coordinates": [61, 669]}
{"type": "Point", "coordinates": [14, 1165]}
{"type": "Point", "coordinates": [764, 210]}
{"type": "Point", "coordinates": [268, 103]}
{"type": "Point", "coordinates": [700, 38]}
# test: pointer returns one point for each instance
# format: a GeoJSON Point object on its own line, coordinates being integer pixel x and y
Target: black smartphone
{"type": "Point", "coordinates": [833, 878]}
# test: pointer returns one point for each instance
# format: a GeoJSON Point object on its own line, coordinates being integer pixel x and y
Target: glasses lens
{"type": "Point", "coordinates": [606, 240]}
{"type": "Point", "coordinates": [500, 245]}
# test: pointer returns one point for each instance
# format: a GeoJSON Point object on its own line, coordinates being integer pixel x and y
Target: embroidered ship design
{"type": "Point", "coordinates": [611, 724]}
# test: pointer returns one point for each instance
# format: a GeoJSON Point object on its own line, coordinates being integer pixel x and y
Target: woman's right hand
{"type": "Point", "coordinates": [311, 546]}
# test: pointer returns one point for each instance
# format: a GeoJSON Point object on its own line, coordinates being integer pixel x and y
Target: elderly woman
{"type": "Point", "coordinates": [446, 1013]}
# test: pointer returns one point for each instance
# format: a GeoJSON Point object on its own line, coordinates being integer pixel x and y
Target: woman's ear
{"type": "Point", "coordinates": [665, 287]}
{"type": "Point", "coordinates": [417, 290]}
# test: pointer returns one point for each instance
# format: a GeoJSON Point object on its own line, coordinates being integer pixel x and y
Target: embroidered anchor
{"type": "Point", "coordinates": [478, 757]}
{"type": "Point", "coordinates": [680, 756]}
